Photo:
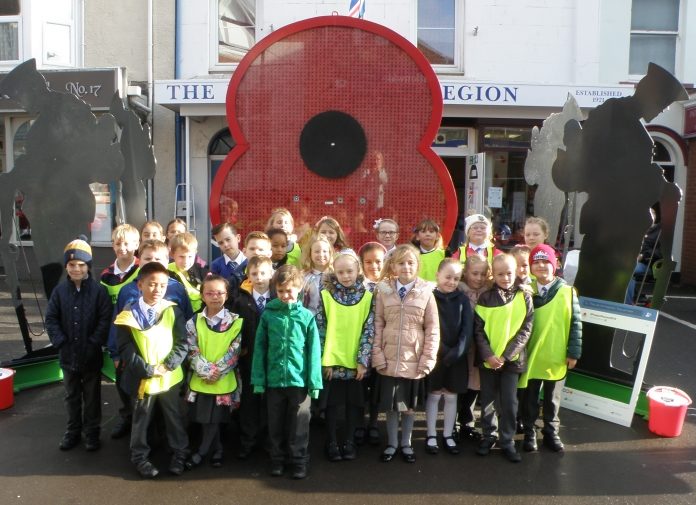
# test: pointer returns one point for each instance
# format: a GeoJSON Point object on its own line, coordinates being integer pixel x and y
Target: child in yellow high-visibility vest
{"type": "Point", "coordinates": [151, 337]}
{"type": "Point", "coordinates": [554, 347]}
{"type": "Point", "coordinates": [346, 328]}
{"type": "Point", "coordinates": [502, 326]}
{"type": "Point", "coordinates": [215, 341]}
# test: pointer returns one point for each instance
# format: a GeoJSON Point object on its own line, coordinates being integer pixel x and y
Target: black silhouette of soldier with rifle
{"type": "Point", "coordinates": [67, 149]}
{"type": "Point", "coordinates": [610, 158]}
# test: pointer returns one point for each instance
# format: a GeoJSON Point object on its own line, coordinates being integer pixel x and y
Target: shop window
{"type": "Point", "coordinates": [234, 30]}
{"type": "Point", "coordinates": [438, 37]}
{"type": "Point", "coordinates": [503, 137]}
{"type": "Point", "coordinates": [10, 29]}
{"type": "Point", "coordinates": [654, 35]}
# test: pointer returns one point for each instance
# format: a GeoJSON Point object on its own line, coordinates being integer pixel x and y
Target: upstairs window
{"type": "Point", "coordinates": [654, 35]}
{"type": "Point", "coordinates": [235, 30]}
{"type": "Point", "coordinates": [439, 33]}
{"type": "Point", "coordinates": [10, 27]}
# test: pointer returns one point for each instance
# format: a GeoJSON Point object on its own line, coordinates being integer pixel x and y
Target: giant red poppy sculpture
{"type": "Point", "coordinates": [334, 116]}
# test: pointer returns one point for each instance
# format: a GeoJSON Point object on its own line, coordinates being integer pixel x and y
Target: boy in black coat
{"type": "Point", "coordinates": [250, 305]}
{"type": "Point", "coordinates": [77, 322]}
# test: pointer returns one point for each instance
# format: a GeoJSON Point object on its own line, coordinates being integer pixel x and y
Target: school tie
{"type": "Point", "coordinates": [402, 292]}
{"type": "Point", "coordinates": [542, 292]}
{"type": "Point", "coordinates": [260, 303]}
{"type": "Point", "coordinates": [150, 316]}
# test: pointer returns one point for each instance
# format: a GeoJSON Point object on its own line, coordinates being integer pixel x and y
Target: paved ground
{"type": "Point", "coordinates": [603, 462]}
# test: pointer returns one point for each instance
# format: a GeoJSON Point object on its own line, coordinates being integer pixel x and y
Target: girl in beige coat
{"type": "Point", "coordinates": [407, 335]}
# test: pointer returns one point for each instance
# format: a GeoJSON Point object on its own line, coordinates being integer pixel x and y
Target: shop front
{"type": "Point", "coordinates": [485, 135]}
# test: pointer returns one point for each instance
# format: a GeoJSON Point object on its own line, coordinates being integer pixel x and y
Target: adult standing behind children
{"type": "Point", "coordinates": [554, 348]}
{"type": "Point", "coordinates": [77, 322]}
{"type": "Point", "coordinates": [151, 338]}
{"type": "Point", "coordinates": [502, 326]}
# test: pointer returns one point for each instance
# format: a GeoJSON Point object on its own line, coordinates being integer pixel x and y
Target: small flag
{"type": "Point", "coordinates": [356, 9]}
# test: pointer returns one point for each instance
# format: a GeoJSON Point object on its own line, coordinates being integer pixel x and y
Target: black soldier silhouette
{"type": "Point", "coordinates": [610, 158]}
{"type": "Point", "coordinates": [67, 149]}
{"type": "Point", "coordinates": [139, 162]}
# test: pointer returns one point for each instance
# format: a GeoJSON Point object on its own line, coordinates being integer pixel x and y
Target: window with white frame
{"type": "Point", "coordinates": [10, 30]}
{"type": "Point", "coordinates": [654, 35]}
{"type": "Point", "coordinates": [439, 33]}
{"type": "Point", "coordinates": [235, 30]}
{"type": "Point", "coordinates": [60, 34]}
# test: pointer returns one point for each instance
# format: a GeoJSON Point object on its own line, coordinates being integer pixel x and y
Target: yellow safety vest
{"type": "Point", "coordinates": [502, 323]}
{"type": "Point", "coordinates": [294, 255]}
{"type": "Point", "coordinates": [115, 289]}
{"type": "Point", "coordinates": [429, 263]}
{"type": "Point", "coordinates": [193, 293]}
{"type": "Point", "coordinates": [213, 346]}
{"type": "Point", "coordinates": [344, 326]}
{"type": "Point", "coordinates": [463, 256]}
{"type": "Point", "coordinates": [154, 344]}
{"type": "Point", "coordinates": [547, 349]}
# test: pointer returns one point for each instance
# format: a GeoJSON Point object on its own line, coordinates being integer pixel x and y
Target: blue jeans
{"type": "Point", "coordinates": [640, 269]}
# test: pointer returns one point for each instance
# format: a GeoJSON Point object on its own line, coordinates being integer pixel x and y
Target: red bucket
{"type": "Point", "coordinates": [667, 410]}
{"type": "Point", "coordinates": [6, 388]}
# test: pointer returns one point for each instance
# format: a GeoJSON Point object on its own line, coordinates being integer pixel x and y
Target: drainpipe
{"type": "Point", "coordinates": [150, 102]}
{"type": "Point", "coordinates": [177, 118]}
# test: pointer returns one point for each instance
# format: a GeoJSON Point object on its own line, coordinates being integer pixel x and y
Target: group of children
{"type": "Point", "coordinates": [283, 329]}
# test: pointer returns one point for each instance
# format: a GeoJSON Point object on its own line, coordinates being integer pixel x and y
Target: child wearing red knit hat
{"type": "Point", "coordinates": [554, 347]}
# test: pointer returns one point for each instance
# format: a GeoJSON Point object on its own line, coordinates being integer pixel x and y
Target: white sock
{"type": "Point", "coordinates": [431, 408]}
{"type": "Point", "coordinates": [450, 414]}
{"type": "Point", "coordinates": [406, 430]}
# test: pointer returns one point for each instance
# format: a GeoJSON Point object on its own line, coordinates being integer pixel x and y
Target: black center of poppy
{"type": "Point", "coordinates": [333, 144]}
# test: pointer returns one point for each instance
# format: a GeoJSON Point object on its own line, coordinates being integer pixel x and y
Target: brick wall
{"type": "Point", "coordinates": [688, 266]}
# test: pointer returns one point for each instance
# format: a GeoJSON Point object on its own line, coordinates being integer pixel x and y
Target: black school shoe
{"type": "Point", "coordinates": [277, 469]}
{"type": "Point", "coordinates": [388, 454]}
{"type": "Point", "coordinates": [147, 470]}
{"type": "Point", "coordinates": [511, 454]}
{"type": "Point", "coordinates": [430, 448]}
{"type": "Point", "coordinates": [486, 445]}
{"type": "Point", "coordinates": [450, 445]}
{"type": "Point", "coordinates": [530, 442]}
{"type": "Point", "coordinates": [299, 471]}
{"type": "Point", "coordinates": [92, 444]}
{"type": "Point", "coordinates": [348, 451]}
{"type": "Point", "coordinates": [177, 465]}
{"type": "Point", "coordinates": [69, 441]}
{"type": "Point", "coordinates": [409, 456]}
{"type": "Point", "coordinates": [554, 443]}
{"type": "Point", "coordinates": [333, 453]}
